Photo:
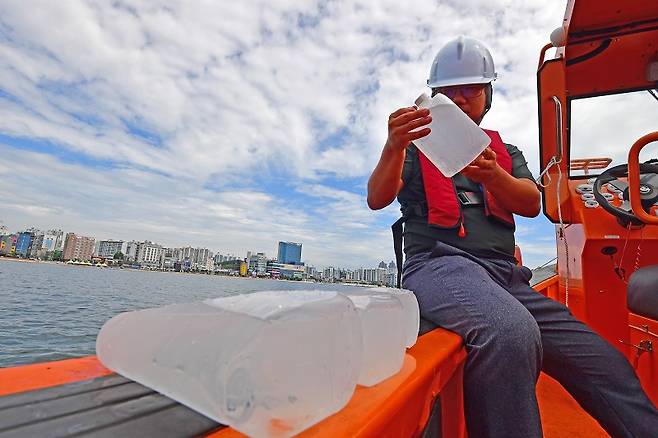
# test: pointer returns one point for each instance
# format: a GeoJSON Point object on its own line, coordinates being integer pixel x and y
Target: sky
{"type": "Point", "coordinates": [233, 125]}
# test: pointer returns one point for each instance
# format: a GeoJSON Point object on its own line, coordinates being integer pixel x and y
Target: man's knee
{"type": "Point", "coordinates": [514, 336]}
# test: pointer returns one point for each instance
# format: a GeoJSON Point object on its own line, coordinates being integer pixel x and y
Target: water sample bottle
{"type": "Point", "coordinates": [382, 321]}
{"type": "Point", "coordinates": [267, 363]}
{"type": "Point", "coordinates": [455, 140]}
{"type": "Point", "coordinates": [411, 312]}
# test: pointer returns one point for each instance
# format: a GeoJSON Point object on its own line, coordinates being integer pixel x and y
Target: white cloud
{"type": "Point", "coordinates": [222, 84]}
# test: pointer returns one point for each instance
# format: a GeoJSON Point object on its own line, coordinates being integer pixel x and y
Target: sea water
{"type": "Point", "coordinates": [268, 364]}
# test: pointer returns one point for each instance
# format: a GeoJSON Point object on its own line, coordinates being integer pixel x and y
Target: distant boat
{"type": "Point", "coordinates": [79, 263]}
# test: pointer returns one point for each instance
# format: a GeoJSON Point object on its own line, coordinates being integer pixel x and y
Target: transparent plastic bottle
{"type": "Point", "coordinates": [411, 322]}
{"type": "Point", "coordinates": [267, 364]}
{"type": "Point", "coordinates": [382, 325]}
{"type": "Point", "coordinates": [455, 139]}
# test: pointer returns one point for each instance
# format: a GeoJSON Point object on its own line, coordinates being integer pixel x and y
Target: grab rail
{"type": "Point", "coordinates": [634, 178]}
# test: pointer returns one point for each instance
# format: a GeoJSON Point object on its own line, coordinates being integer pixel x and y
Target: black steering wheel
{"type": "Point", "coordinates": [648, 191]}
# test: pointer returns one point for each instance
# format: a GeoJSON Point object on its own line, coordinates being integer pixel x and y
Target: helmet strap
{"type": "Point", "coordinates": [487, 106]}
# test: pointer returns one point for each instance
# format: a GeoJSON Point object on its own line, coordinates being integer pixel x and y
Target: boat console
{"type": "Point", "coordinates": [605, 224]}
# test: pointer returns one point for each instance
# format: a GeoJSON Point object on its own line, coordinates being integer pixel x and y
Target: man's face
{"type": "Point", "coordinates": [469, 98]}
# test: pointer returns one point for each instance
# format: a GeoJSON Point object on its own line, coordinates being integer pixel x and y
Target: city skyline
{"type": "Point", "coordinates": [47, 237]}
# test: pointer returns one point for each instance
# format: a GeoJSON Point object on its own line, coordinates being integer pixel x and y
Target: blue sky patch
{"type": "Point", "coordinates": [138, 130]}
{"type": "Point", "coordinates": [63, 153]}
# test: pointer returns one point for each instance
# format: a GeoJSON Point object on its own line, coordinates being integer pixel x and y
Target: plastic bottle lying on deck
{"type": "Point", "coordinates": [389, 322]}
{"type": "Point", "coordinates": [410, 309]}
{"type": "Point", "coordinates": [381, 317]}
{"type": "Point", "coordinates": [267, 363]}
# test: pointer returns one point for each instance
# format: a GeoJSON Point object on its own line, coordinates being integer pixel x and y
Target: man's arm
{"type": "Point", "coordinates": [386, 180]}
{"type": "Point", "coordinates": [518, 195]}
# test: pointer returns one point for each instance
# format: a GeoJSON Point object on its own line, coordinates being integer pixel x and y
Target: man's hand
{"type": "Point", "coordinates": [518, 195]}
{"type": "Point", "coordinates": [402, 122]}
{"type": "Point", "coordinates": [386, 180]}
{"type": "Point", "coordinates": [484, 169]}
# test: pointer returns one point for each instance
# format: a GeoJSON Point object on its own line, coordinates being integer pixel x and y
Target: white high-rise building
{"type": "Point", "coordinates": [53, 240]}
{"type": "Point", "coordinates": [37, 243]}
{"type": "Point", "coordinates": [257, 263]}
{"type": "Point", "coordinates": [169, 258]}
{"type": "Point", "coordinates": [149, 254]}
{"type": "Point", "coordinates": [381, 276]}
{"type": "Point", "coordinates": [210, 262]}
{"type": "Point", "coordinates": [330, 273]}
{"type": "Point", "coordinates": [130, 254]}
{"type": "Point", "coordinates": [107, 248]}
{"type": "Point", "coordinates": [201, 258]}
{"type": "Point", "coordinates": [187, 253]}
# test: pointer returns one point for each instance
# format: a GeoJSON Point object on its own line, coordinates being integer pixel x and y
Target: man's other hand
{"type": "Point", "coordinates": [484, 168]}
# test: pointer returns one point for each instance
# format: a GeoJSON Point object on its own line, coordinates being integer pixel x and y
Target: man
{"type": "Point", "coordinates": [459, 243]}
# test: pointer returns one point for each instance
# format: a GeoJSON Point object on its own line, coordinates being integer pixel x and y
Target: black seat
{"type": "Point", "coordinates": [642, 296]}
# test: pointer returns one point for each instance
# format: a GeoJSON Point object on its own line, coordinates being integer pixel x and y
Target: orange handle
{"type": "Point", "coordinates": [634, 178]}
{"type": "Point", "coordinates": [542, 54]}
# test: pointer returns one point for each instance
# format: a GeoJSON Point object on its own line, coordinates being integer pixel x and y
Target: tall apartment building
{"type": "Point", "coordinates": [53, 240]}
{"type": "Point", "coordinates": [78, 247]}
{"type": "Point", "coordinates": [201, 259]}
{"type": "Point", "coordinates": [210, 262]}
{"type": "Point", "coordinates": [7, 243]}
{"type": "Point", "coordinates": [290, 252]}
{"type": "Point", "coordinates": [197, 258]}
{"type": "Point", "coordinates": [36, 249]}
{"type": "Point", "coordinates": [24, 243]}
{"type": "Point", "coordinates": [257, 263]}
{"type": "Point", "coordinates": [311, 272]}
{"type": "Point", "coordinates": [149, 254]}
{"type": "Point", "coordinates": [130, 254]}
{"type": "Point", "coordinates": [107, 248]}
{"type": "Point", "coordinates": [330, 273]}
{"type": "Point", "coordinates": [187, 253]}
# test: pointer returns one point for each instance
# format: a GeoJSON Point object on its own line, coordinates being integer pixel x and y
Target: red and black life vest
{"type": "Point", "coordinates": [443, 205]}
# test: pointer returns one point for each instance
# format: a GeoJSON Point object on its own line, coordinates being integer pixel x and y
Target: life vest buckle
{"type": "Point", "coordinates": [470, 198]}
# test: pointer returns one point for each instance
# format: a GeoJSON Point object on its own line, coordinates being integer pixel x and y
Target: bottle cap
{"type": "Point", "coordinates": [420, 100]}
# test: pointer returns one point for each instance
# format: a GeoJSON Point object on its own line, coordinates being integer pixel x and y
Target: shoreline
{"type": "Point", "coordinates": [59, 263]}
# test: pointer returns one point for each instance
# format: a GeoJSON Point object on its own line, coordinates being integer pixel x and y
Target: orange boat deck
{"type": "Point", "coordinates": [561, 415]}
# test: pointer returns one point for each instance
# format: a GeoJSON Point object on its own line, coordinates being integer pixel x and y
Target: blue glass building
{"type": "Point", "coordinates": [290, 253]}
{"type": "Point", "coordinates": [23, 244]}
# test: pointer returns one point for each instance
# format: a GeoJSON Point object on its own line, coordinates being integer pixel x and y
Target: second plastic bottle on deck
{"type": "Point", "coordinates": [389, 323]}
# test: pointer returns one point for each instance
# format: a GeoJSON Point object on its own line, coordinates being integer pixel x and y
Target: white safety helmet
{"type": "Point", "coordinates": [462, 61]}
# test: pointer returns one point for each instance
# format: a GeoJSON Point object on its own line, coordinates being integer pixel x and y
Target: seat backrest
{"type": "Point", "coordinates": [642, 297]}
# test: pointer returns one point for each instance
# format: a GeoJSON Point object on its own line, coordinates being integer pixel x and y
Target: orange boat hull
{"type": "Point", "coordinates": [397, 407]}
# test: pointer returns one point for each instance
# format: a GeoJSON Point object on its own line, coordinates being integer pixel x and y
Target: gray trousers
{"type": "Point", "coordinates": [511, 333]}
